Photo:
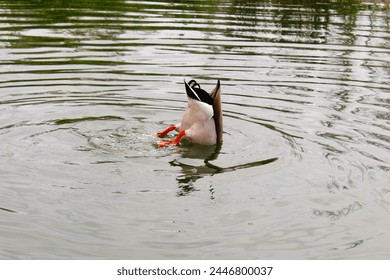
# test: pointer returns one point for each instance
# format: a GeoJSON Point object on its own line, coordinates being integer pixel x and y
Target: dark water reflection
{"type": "Point", "coordinates": [303, 171]}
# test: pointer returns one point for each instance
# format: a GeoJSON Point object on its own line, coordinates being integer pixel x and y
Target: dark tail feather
{"type": "Point", "coordinates": [217, 107]}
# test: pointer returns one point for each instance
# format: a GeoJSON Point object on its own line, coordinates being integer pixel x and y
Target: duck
{"type": "Point", "coordinates": [202, 120]}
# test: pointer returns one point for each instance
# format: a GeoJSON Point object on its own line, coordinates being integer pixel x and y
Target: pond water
{"type": "Point", "coordinates": [302, 173]}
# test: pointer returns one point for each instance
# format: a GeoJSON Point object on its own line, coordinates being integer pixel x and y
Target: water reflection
{"type": "Point", "coordinates": [84, 19]}
{"type": "Point", "coordinates": [293, 21]}
{"type": "Point", "coordinates": [193, 166]}
{"type": "Point", "coordinates": [288, 21]}
{"type": "Point", "coordinates": [84, 85]}
{"type": "Point", "coordinates": [196, 162]}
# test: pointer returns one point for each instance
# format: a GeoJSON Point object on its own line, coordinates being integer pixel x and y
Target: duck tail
{"type": "Point", "coordinates": [217, 107]}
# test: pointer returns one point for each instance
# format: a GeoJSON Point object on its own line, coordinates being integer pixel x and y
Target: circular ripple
{"type": "Point", "coordinates": [133, 139]}
{"type": "Point", "coordinates": [249, 144]}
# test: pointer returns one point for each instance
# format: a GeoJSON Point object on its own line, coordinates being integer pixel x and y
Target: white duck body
{"type": "Point", "coordinates": [202, 121]}
{"type": "Point", "coordinates": [198, 123]}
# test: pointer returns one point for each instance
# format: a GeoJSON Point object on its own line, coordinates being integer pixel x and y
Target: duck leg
{"type": "Point", "coordinates": [175, 141]}
{"type": "Point", "coordinates": [166, 131]}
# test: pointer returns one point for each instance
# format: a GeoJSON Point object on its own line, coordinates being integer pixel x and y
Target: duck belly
{"type": "Point", "coordinates": [203, 134]}
{"type": "Point", "coordinates": [198, 123]}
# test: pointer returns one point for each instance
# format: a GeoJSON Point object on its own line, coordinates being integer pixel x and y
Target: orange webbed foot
{"type": "Point", "coordinates": [166, 131]}
{"type": "Point", "coordinates": [176, 141]}
{"type": "Point", "coordinates": [164, 143]}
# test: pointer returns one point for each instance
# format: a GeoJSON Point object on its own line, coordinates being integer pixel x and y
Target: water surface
{"type": "Point", "coordinates": [302, 173]}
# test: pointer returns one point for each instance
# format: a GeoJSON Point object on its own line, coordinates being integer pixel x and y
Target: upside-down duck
{"type": "Point", "coordinates": [202, 120]}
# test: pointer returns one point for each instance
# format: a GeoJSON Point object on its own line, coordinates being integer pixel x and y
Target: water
{"type": "Point", "coordinates": [303, 172]}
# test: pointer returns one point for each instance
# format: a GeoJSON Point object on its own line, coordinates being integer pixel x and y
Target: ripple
{"type": "Point", "coordinates": [131, 140]}
{"type": "Point", "coordinates": [337, 214]}
{"type": "Point", "coordinates": [84, 87]}
{"type": "Point", "coordinates": [7, 210]}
